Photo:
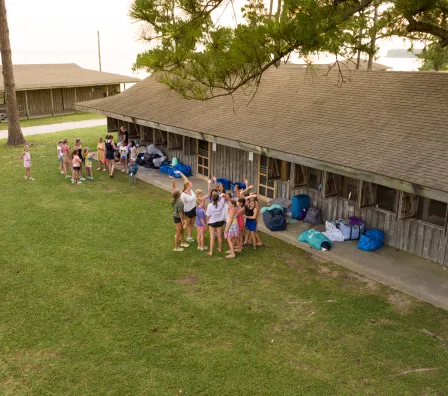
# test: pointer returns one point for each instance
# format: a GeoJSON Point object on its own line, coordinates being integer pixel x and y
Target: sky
{"type": "Point", "coordinates": [63, 31]}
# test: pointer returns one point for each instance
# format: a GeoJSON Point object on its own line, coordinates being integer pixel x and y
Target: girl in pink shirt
{"type": "Point", "coordinates": [26, 162]}
{"type": "Point", "coordinates": [76, 163]}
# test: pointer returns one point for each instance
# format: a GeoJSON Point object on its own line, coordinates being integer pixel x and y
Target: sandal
{"type": "Point", "coordinates": [230, 256]}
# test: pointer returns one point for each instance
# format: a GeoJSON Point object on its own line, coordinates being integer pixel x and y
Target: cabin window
{"type": "Point", "coordinates": [431, 211]}
{"type": "Point", "coordinates": [386, 198]}
{"type": "Point", "coordinates": [349, 188]}
{"type": "Point", "coordinates": [2, 98]}
{"type": "Point", "coordinates": [300, 175]}
{"type": "Point", "coordinates": [314, 178]}
{"type": "Point", "coordinates": [174, 142]}
{"type": "Point", "coordinates": [271, 169]}
{"type": "Point", "coordinates": [160, 137]}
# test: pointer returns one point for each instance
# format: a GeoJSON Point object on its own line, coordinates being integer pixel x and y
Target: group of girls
{"type": "Point", "coordinates": [79, 161]}
{"type": "Point", "coordinates": [108, 153]}
{"type": "Point", "coordinates": [234, 213]}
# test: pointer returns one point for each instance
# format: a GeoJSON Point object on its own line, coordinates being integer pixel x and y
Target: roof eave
{"type": "Point", "coordinates": [387, 181]}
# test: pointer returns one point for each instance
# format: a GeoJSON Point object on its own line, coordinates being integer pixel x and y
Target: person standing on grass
{"type": "Point", "coordinates": [231, 232]}
{"type": "Point", "coordinates": [59, 150]}
{"type": "Point", "coordinates": [76, 164]}
{"type": "Point", "coordinates": [215, 219]}
{"type": "Point", "coordinates": [178, 218]}
{"type": "Point", "coordinates": [110, 151]}
{"type": "Point", "coordinates": [133, 151]}
{"type": "Point", "coordinates": [66, 158]}
{"type": "Point", "coordinates": [100, 155]}
{"type": "Point", "coordinates": [241, 211]}
{"type": "Point", "coordinates": [89, 162]}
{"type": "Point", "coordinates": [26, 155]}
{"type": "Point", "coordinates": [251, 222]}
{"type": "Point", "coordinates": [201, 224]}
{"type": "Point", "coordinates": [78, 146]}
{"type": "Point", "coordinates": [189, 199]}
{"type": "Point", "coordinates": [124, 155]}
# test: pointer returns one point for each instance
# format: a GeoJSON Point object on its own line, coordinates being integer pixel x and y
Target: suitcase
{"type": "Point", "coordinates": [299, 202]}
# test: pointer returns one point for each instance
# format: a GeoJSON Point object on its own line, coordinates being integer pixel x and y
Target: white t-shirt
{"type": "Point", "coordinates": [123, 150]}
{"type": "Point", "coordinates": [189, 201]}
{"type": "Point", "coordinates": [134, 153]}
{"type": "Point", "coordinates": [217, 213]}
{"type": "Point", "coordinates": [59, 151]}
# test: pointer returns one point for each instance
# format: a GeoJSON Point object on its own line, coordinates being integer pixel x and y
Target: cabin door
{"type": "Point", "coordinates": [203, 151]}
{"type": "Point", "coordinates": [268, 170]}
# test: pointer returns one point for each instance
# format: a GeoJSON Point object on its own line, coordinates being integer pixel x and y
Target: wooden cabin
{"type": "Point", "coordinates": [51, 89]}
{"type": "Point", "coordinates": [375, 147]}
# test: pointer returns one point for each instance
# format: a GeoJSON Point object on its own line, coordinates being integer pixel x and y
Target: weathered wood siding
{"type": "Point", "coordinates": [39, 100]}
{"type": "Point", "coordinates": [233, 164]}
{"type": "Point", "coordinates": [410, 235]}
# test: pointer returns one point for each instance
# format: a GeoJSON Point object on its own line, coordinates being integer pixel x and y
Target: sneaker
{"type": "Point", "coordinates": [98, 169]}
{"type": "Point", "coordinates": [62, 173]}
{"type": "Point", "coordinates": [73, 182]}
{"type": "Point", "coordinates": [26, 178]}
{"type": "Point", "coordinates": [91, 178]}
{"type": "Point", "coordinates": [191, 240]}
{"type": "Point", "coordinates": [201, 249]}
{"type": "Point", "coordinates": [80, 182]}
{"type": "Point", "coordinates": [185, 245]}
{"type": "Point", "coordinates": [67, 177]}
{"type": "Point", "coordinates": [123, 171]}
{"type": "Point", "coordinates": [83, 179]}
{"type": "Point", "coordinates": [179, 250]}
{"type": "Point", "coordinates": [32, 178]}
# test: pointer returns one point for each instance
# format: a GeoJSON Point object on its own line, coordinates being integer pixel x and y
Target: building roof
{"type": "Point", "coordinates": [393, 124]}
{"type": "Point", "coordinates": [47, 76]}
{"type": "Point", "coordinates": [348, 64]}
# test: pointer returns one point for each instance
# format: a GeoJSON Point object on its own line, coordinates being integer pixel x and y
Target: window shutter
{"type": "Point", "coordinates": [331, 184]}
{"type": "Point", "coordinates": [368, 194]}
{"type": "Point", "coordinates": [408, 205]}
{"type": "Point", "coordinates": [301, 175]}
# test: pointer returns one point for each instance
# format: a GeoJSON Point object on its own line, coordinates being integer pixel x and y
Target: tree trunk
{"type": "Point", "coordinates": [372, 50]}
{"type": "Point", "coordinates": [361, 36]}
{"type": "Point", "coordinates": [15, 135]}
{"type": "Point", "coordinates": [271, 6]}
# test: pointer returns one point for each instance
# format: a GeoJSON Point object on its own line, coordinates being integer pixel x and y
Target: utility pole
{"type": "Point", "coordinates": [99, 49]}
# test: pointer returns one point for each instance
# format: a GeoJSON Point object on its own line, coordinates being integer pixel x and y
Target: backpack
{"type": "Point", "coordinates": [313, 216]}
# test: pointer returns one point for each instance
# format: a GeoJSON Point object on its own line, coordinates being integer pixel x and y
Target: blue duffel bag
{"type": "Point", "coordinates": [371, 240]}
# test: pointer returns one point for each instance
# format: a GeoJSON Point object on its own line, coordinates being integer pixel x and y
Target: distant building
{"type": "Point", "coordinates": [50, 89]}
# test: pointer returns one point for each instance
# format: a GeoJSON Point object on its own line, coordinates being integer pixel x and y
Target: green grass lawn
{"type": "Point", "coordinates": [54, 120]}
{"type": "Point", "coordinates": [95, 302]}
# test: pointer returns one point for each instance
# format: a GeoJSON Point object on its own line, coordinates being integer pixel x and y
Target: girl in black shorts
{"type": "Point", "coordinates": [110, 147]}
{"type": "Point", "coordinates": [178, 217]}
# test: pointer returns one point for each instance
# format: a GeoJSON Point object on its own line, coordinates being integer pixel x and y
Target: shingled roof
{"type": "Point", "coordinates": [61, 75]}
{"type": "Point", "coordinates": [393, 124]}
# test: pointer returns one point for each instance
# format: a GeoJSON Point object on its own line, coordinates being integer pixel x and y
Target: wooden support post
{"type": "Point", "coordinates": [124, 86]}
{"type": "Point", "coordinates": [76, 111]}
{"type": "Point", "coordinates": [62, 99]}
{"type": "Point", "coordinates": [52, 102]}
{"type": "Point", "coordinates": [27, 109]}
{"type": "Point", "coordinates": [284, 170]}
